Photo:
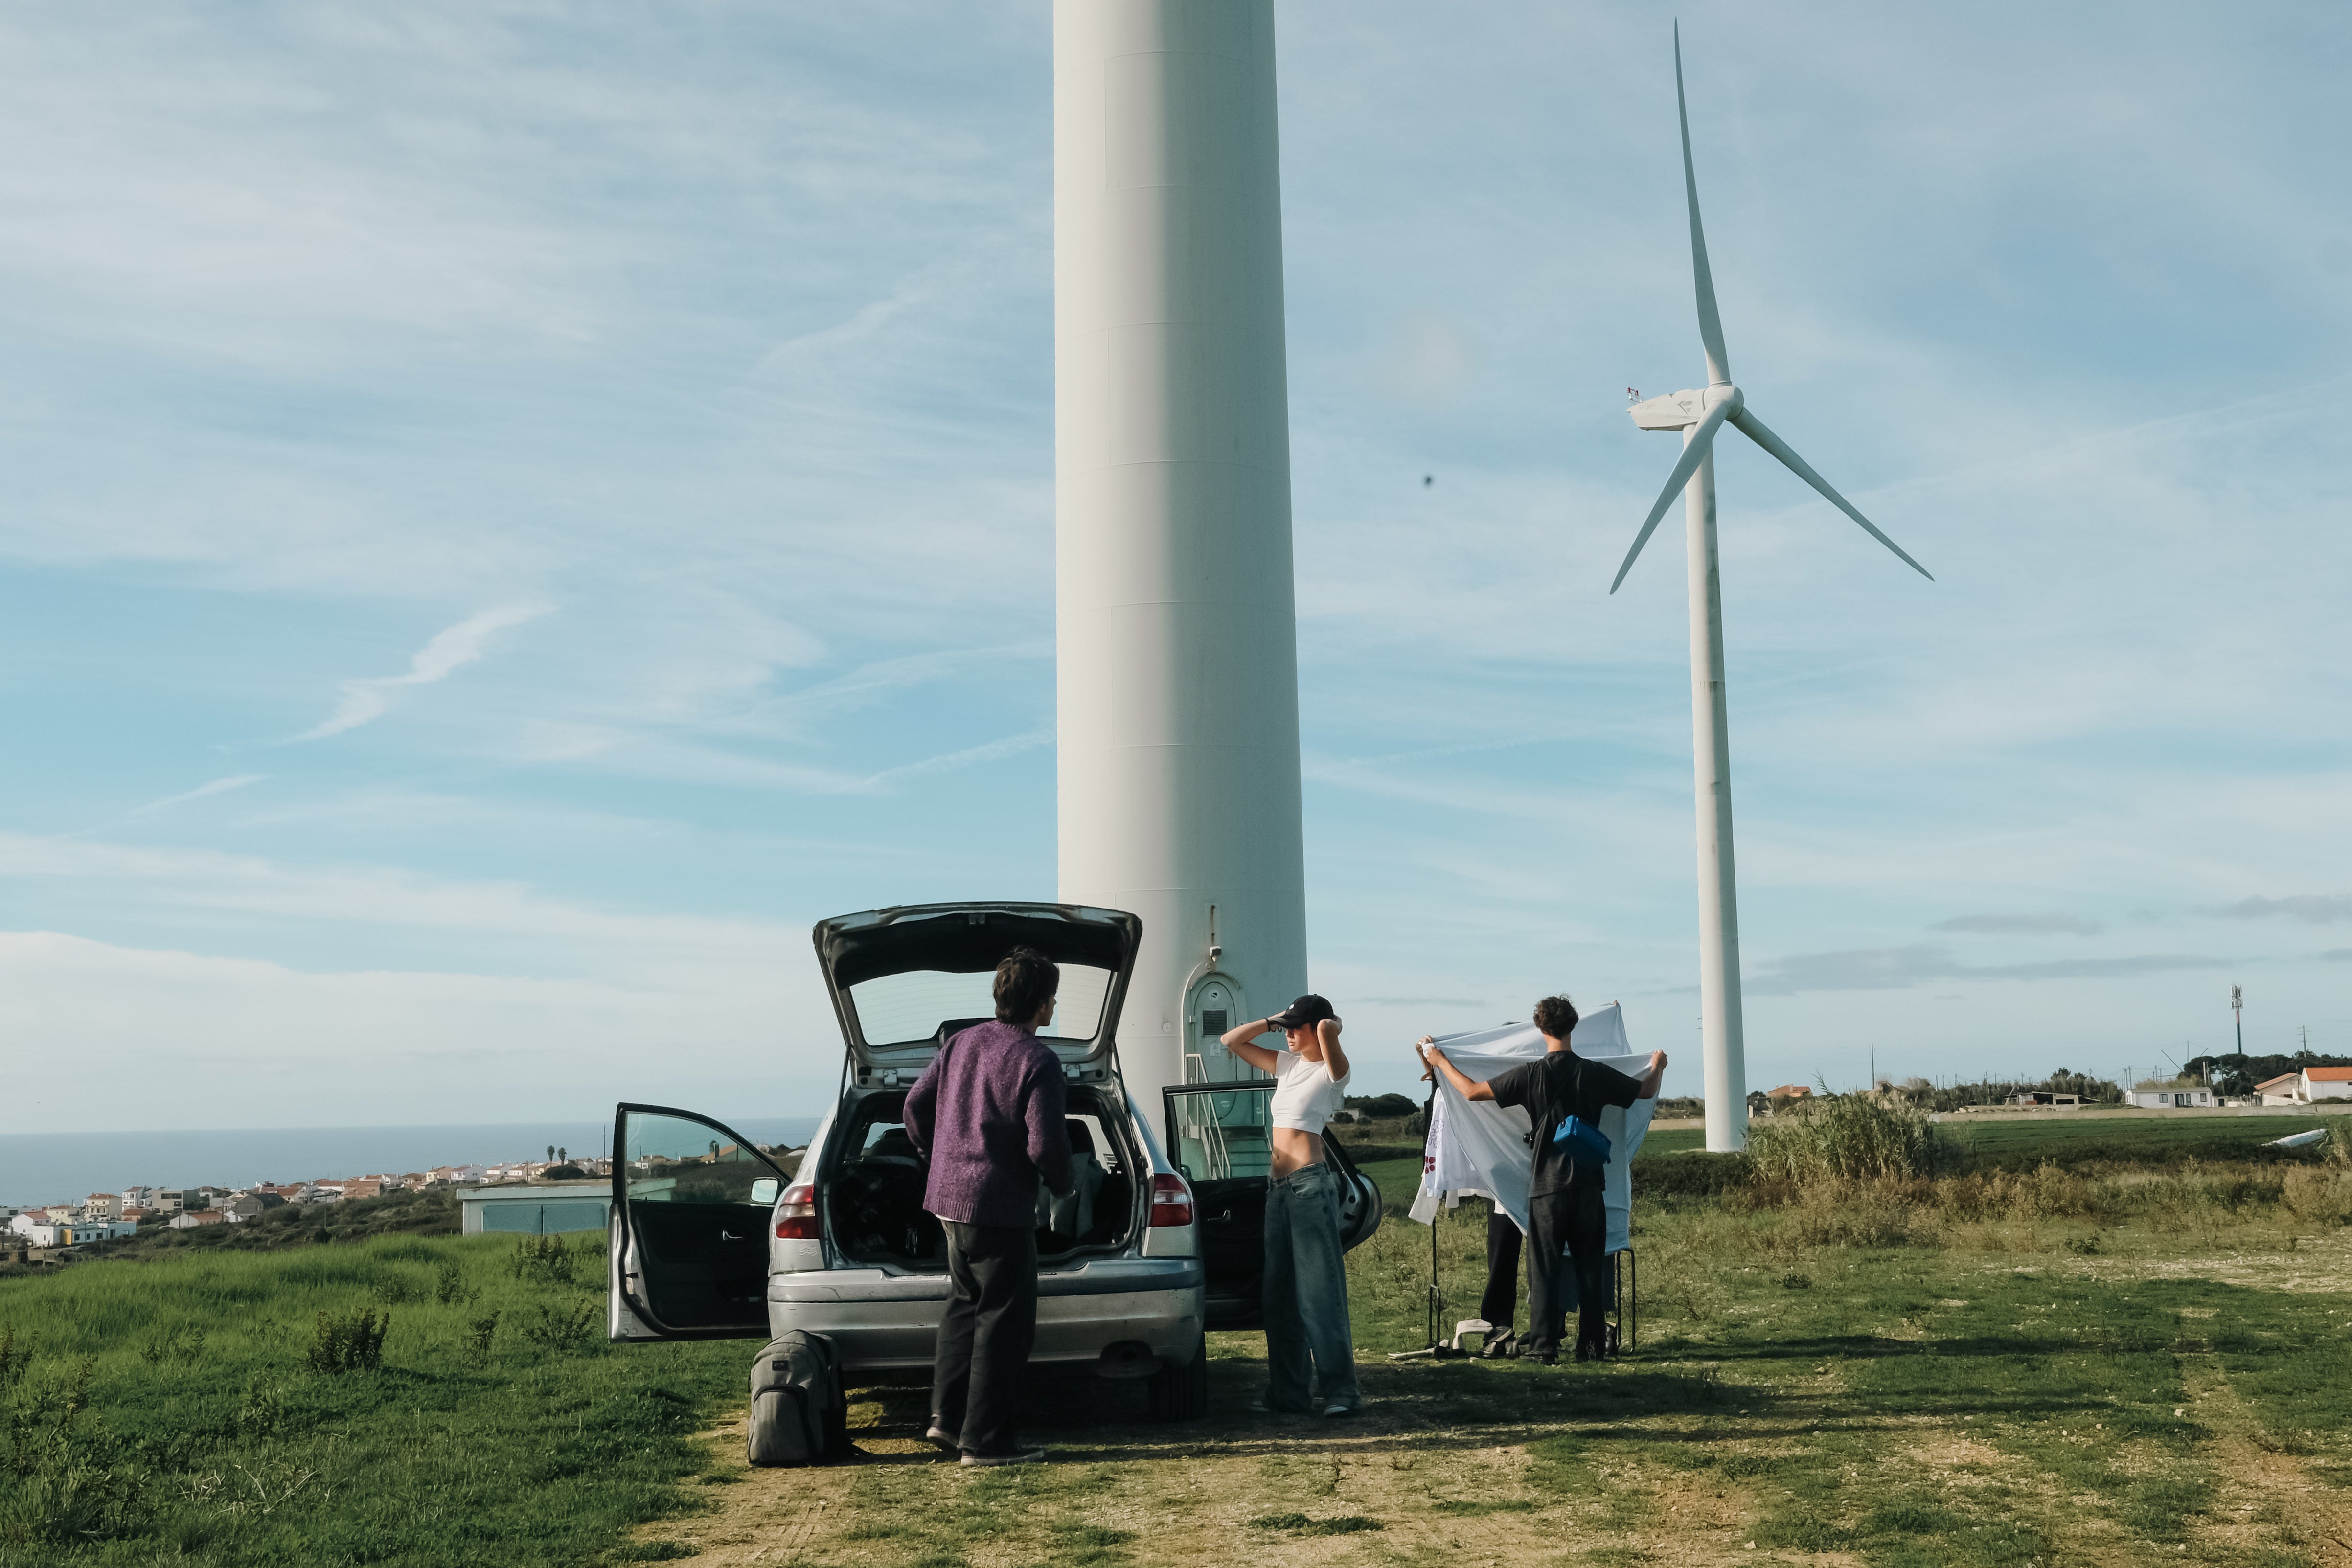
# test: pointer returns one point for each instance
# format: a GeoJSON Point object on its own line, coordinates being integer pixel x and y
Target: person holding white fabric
{"type": "Point", "coordinates": [1310, 1353]}
{"type": "Point", "coordinates": [1563, 1094]}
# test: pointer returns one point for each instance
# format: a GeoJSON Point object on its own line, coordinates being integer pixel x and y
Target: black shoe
{"type": "Point", "coordinates": [1014, 1456]}
{"type": "Point", "coordinates": [1540, 1356]}
{"type": "Point", "coordinates": [1499, 1345]}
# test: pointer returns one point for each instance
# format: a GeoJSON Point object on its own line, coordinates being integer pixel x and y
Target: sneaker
{"type": "Point", "coordinates": [1337, 1407]}
{"type": "Point", "coordinates": [1541, 1357]}
{"type": "Point", "coordinates": [1261, 1405]}
{"type": "Point", "coordinates": [938, 1436]}
{"type": "Point", "coordinates": [1010, 1457]}
{"type": "Point", "coordinates": [1499, 1345]}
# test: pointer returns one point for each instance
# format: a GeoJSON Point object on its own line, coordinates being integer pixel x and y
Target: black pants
{"type": "Point", "coordinates": [1574, 1222]}
{"type": "Point", "coordinates": [1500, 1304]}
{"type": "Point", "coordinates": [986, 1335]}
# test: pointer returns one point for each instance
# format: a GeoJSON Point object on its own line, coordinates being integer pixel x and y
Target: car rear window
{"type": "Point", "coordinates": [897, 1009]}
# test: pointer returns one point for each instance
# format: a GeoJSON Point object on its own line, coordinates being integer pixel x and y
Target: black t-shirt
{"type": "Point", "coordinates": [1561, 1085]}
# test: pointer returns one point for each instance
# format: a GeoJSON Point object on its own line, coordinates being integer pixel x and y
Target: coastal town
{"type": "Point", "coordinates": [43, 1231]}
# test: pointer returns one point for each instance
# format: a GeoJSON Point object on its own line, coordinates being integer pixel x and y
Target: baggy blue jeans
{"type": "Point", "coordinates": [1306, 1294]}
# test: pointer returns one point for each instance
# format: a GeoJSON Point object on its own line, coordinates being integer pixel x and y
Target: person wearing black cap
{"type": "Point", "coordinates": [1310, 1354]}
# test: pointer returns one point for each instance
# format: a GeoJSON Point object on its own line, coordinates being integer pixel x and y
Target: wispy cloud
{"type": "Point", "coordinates": [452, 649]}
{"type": "Point", "coordinates": [217, 787]}
{"type": "Point", "coordinates": [970, 756]}
{"type": "Point", "coordinates": [1898, 969]}
{"type": "Point", "coordinates": [2311, 908]}
{"type": "Point", "coordinates": [2020, 925]}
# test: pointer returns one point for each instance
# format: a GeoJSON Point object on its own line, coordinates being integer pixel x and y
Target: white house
{"type": "Point", "coordinates": [2327, 1083]}
{"type": "Point", "coordinates": [2172, 1096]}
{"type": "Point", "coordinates": [139, 1198]}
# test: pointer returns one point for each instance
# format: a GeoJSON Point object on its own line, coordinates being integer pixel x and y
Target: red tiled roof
{"type": "Point", "coordinates": [2282, 1078]}
{"type": "Point", "coordinates": [2328, 1074]}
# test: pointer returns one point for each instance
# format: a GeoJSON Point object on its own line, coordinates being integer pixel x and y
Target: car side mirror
{"type": "Point", "coordinates": [765, 1189]}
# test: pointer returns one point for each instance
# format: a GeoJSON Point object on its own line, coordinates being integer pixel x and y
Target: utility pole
{"type": "Point", "coordinates": [2237, 1012]}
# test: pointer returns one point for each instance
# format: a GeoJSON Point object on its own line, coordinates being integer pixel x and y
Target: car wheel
{"type": "Point", "coordinates": [1182, 1393]}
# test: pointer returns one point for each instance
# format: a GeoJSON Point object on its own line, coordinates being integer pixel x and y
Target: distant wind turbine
{"type": "Point", "coordinates": [1699, 415]}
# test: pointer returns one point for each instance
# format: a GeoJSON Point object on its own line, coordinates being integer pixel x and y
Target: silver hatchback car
{"type": "Point", "coordinates": [711, 1239]}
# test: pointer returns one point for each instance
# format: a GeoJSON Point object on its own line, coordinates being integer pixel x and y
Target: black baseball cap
{"type": "Point", "coordinates": [1305, 1011]}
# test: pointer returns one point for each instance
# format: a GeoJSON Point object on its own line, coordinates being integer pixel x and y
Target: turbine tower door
{"type": "Point", "coordinates": [1213, 1007]}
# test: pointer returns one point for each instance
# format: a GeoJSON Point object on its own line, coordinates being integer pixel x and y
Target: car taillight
{"type": "Point", "coordinates": [1171, 1201]}
{"type": "Point", "coordinates": [796, 1216]}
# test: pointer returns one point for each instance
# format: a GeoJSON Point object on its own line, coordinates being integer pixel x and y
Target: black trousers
{"type": "Point", "coordinates": [986, 1335]}
{"type": "Point", "coordinates": [1574, 1222]}
{"type": "Point", "coordinates": [1500, 1304]}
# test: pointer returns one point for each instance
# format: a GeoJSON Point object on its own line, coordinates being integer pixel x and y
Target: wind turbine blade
{"type": "Point", "coordinates": [1710, 323]}
{"type": "Point", "coordinates": [1693, 451]}
{"type": "Point", "coordinates": [1756, 431]}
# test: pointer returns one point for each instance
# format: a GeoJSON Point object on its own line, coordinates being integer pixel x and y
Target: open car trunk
{"type": "Point", "coordinates": [872, 1186]}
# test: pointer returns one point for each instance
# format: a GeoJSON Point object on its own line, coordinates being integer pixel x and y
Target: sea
{"type": "Point", "coordinates": [65, 1167]}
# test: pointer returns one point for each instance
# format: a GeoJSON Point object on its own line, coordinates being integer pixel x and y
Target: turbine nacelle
{"type": "Point", "coordinates": [1680, 410]}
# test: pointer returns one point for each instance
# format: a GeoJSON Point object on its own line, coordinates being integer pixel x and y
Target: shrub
{"type": "Point", "coordinates": [348, 1342]}
{"type": "Point", "coordinates": [2319, 1196]}
{"type": "Point", "coordinates": [180, 1342]}
{"type": "Point", "coordinates": [480, 1334]}
{"type": "Point", "coordinates": [568, 1330]}
{"type": "Point", "coordinates": [396, 1289]}
{"type": "Point", "coordinates": [544, 1257]}
{"type": "Point", "coordinates": [451, 1290]}
{"type": "Point", "coordinates": [15, 1354]}
{"type": "Point", "coordinates": [261, 1415]}
{"type": "Point", "coordinates": [1846, 1138]}
{"type": "Point", "coordinates": [69, 1481]}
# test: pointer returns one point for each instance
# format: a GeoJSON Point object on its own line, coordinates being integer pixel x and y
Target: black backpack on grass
{"type": "Point", "coordinates": [799, 1415]}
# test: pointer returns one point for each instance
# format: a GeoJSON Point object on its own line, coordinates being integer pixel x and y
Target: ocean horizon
{"type": "Point", "coordinates": [65, 1167]}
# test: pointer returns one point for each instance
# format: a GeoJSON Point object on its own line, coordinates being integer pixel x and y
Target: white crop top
{"type": "Point", "coordinates": [1306, 1095]}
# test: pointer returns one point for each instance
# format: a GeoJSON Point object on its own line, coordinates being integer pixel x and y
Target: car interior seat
{"type": "Point", "coordinates": [1072, 1217]}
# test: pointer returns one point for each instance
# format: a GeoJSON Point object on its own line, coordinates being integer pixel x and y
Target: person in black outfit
{"type": "Point", "coordinates": [1500, 1304]}
{"type": "Point", "coordinates": [1564, 1198]}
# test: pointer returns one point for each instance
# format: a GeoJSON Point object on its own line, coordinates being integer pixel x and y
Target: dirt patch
{"type": "Point", "coordinates": [2296, 1508]}
{"type": "Point", "coordinates": [1409, 1480]}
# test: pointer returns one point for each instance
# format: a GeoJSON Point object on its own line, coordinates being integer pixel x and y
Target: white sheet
{"type": "Point", "coordinates": [1480, 1150]}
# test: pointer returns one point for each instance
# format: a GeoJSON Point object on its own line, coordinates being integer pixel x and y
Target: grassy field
{"type": "Point", "coordinates": [2143, 1365]}
{"type": "Point", "coordinates": [168, 1411]}
{"type": "Point", "coordinates": [2022, 1142]}
{"type": "Point", "coordinates": [2112, 1362]}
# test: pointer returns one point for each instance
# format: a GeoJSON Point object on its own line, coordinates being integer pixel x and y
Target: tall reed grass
{"type": "Point", "coordinates": [1847, 1138]}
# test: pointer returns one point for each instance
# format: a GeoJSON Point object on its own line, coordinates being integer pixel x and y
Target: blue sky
{"type": "Point", "coordinates": [516, 510]}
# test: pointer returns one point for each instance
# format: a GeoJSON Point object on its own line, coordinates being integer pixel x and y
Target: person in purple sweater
{"type": "Point", "coordinates": [988, 1116]}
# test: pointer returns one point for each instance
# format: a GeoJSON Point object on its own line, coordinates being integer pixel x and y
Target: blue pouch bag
{"type": "Point", "coordinates": [1587, 1143]}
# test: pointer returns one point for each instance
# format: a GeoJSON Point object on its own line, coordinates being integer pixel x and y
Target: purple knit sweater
{"type": "Point", "coordinates": [988, 1116]}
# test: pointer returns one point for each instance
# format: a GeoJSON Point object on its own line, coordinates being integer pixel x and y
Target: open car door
{"type": "Point", "coordinates": [691, 1201]}
{"type": "Point", "coordinates": [1220, 1136]}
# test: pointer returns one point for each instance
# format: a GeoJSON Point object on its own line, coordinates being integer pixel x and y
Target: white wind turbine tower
{"type": "Point", "coordinates": [1699, 415]}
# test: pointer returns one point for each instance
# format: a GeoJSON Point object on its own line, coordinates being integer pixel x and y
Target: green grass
{"type": "Point", "coordinates": [2021, 1143]}
{"type": "Point", "coordinates": [2068, 1365]}
{"type": "Point", "coordinates": [204, 1437]}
